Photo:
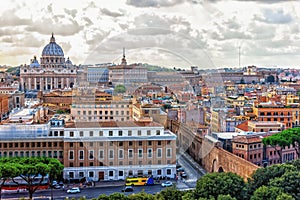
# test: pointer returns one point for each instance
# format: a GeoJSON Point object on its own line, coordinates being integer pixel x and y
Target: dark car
{"type": "Point", "coordinates": [181, 169]}
{"type": "Point", "coordinates": [128, 189]}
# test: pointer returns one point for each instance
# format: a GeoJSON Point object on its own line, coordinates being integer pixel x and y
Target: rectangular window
{"type": "Point", "coordinates": [101, 154]}
{"type": "Point", "coordinates": [148, 132]}
{"type": "Point", "coordinates": [110, 133]}
{"type": "Point", "coordinates": [81, 133]}
{"type": "Point", "coordinates": [71, 155]}
{"type": "Point", "coordinates": [158, 132]}
{"type": "Point", "coordinates": [100, 133]}
{"type": "Point", "coordinates": [149, 143]}
{"type": "Point", "coordinates": [110, 173]}
{"type": "Point", "coordinates": [81, 154]}
{"type": "Point", "coordinates": [149, 153]}
{"type": "Point", "coordinates": [71, 134]}
{"type": "Point", "coordinates": [169, 152]}
{"type": "Point", "coordinates": [91, 144]}
{"type": "Point", "coordinates": [91, 154]}
{"type": "Point", "coordinates": [71, 174]}
{"type": "Point", "coordinates": [129, 133]}
{"type": "Point", "coordinates": [140, 153]}
{"type": "Point", "coordinates": [120, 133]}
{"type": "Point", "coordinates": [111, 154]}
{"type": "Point", "coordinates": [139, 132]}
{"type": "Point", "coordinates": [121, 153]}
{"type": "Point", "coordinates": [130, 153]}
{"type": "Point", "coordinates": [169, 171]}
{"type": "Point", "coordinates": [91, 133]}
{"type": "Point", "coordinates": [159, 153]}
{"type": "Point", "coordinates": [121, 173]}
{"type": "Point", "coordinates": [91, 174]}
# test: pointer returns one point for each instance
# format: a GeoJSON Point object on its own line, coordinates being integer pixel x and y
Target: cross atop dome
{"type": "Point", "coordinates": [52, 39]}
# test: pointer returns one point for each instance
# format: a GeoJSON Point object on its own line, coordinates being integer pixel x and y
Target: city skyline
{"type": "Point", "coordinates": [172, 33]}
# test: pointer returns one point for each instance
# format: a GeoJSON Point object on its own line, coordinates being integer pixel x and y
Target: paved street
{"type": "Point", "coordinates": [193, 170]}
{"type": "Point", "coordinates": [87, 192]}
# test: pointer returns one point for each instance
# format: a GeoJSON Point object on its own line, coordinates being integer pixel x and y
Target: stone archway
{"type": "Point", "coordinates": [214, 165]}
{"type": "Point", "coordinates": [220, 169]}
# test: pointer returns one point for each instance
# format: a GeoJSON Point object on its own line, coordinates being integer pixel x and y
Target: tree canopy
{"type": "Point", "coordinates": [119, 89]}
{"type": "Point", "coordinates": [32, 170]}
{"type": "Point", "coordinates": [215, 184]}
{"type": "Point", "coordinates": [285, 138]}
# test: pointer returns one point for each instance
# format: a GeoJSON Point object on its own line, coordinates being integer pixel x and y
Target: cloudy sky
{"type": "Point", "coordinates": [171, 33]}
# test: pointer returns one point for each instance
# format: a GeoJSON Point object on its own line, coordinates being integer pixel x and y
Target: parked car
{"type": "Point", "coordinates": [183, 174]}
{"type": "Point", "coordinates": [128, 189]}
{"type": "Point", "coordinates": [167, 184]}
{"type": "Point", "coordinates": [181, 169]}
{"type": "Point", "coordinates": [56, 186]}
{"type": "Point", "coordinates": [73, 190]}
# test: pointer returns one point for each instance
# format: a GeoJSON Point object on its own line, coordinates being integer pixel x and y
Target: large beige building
{"type": "Point", "coordinates": [114, 150]}
{"type": "Point", "coordinates": [97, 150]}
{"type": "Point", "coordinates": [90, 104]}
{"type": "Point", "coordinates": [53, 71]}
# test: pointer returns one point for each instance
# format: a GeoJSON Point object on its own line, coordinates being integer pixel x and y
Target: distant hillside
{"type": "Point", "coordinates": [156, 68]}
{"type": "Point", "coordinates": [14, 71]}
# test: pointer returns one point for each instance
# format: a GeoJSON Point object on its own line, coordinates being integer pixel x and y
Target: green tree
{"type": "Point", "coordinates": [266, 193]}
{"type": "Point", "coordinates": [141, 196]}
{"type": "Point", "coordinates": [295, 163]}
{"type": "Point", "coordinates": [262, 176]}
{"type": "Point", "coordinates": [285, 138]}
{"type": "Point", "coordinates": [189, 195]}
{"type": "Point", "coordinates": [225, 197]}
{"type": "Point", "coordinates": [284, 196]}
{"type": "Point", "coordinates": [118, 196]}
{"type": "Point", "coordinates": [7, 171]}
{"type": "Point", "coordinates": [120, 89]}
{"type": "Point", "coordinates": [103, 197]}
{"type": "Point", "coordinates": [270, 79]}
{"type": "Point", "coordinates": [215, 184]}
{"type": "Point", "coordinates": [170, 194]}
{"type": "Point", "coordinates": [30, 168]}
{"type": "Point", "coordinates": [289, 183]}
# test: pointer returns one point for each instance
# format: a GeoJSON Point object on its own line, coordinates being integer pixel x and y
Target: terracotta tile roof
{"type": "Point", "coordinates": [247, 139]}
{"type": "Point", "coordinates": [243, 126]}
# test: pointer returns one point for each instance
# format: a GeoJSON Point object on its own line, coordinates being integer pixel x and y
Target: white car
{"type": "Point", "coordinates": [167, 184]}
{"type": "Point", "coordinates": [73, 190]}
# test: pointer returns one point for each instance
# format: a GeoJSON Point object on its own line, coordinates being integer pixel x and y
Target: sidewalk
{"type": "Point", "coordinates": [192, 162]}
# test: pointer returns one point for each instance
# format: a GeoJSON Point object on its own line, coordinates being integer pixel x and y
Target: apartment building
{"type": "Point", "coordinates": [275, 111]}
{"type": "Point", "coordinates": [98, 150]}
{"type": "Point", "coordinates": [114, 150]}
{"type": "Point", "coordinates": [251, 148]}
{"type": "Point", "coordinates": [89, 104]}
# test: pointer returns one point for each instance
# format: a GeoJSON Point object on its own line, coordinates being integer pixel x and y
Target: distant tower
{"type": "Point", "coordinates": [124, 59]}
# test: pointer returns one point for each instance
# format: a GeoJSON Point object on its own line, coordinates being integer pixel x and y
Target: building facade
{"type": "Point", "coordinates": [131, 76]}
{"type": "Point", "coordinates": [115, 150]}
{"type": "Point", "coordinates": [53, 71]}
{"type": "Point", "coordinates": [95, 150]}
